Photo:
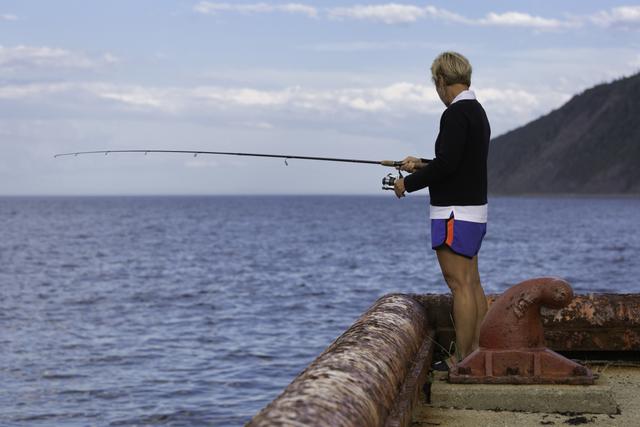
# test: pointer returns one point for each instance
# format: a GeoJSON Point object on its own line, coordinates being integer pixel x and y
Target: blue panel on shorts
{"type": "Point", "coordinates": [467, 236]}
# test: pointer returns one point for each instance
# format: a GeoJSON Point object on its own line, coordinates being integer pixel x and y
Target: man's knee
{"type": "Point", "coordinates": [459, 284]}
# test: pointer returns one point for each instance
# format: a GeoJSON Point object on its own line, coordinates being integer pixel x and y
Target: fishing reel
{"type": "Point", "coordinates": [389, 181]}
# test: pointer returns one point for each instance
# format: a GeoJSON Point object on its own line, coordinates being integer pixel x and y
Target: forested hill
{"type": "Point", "coordinates": [590, 145]}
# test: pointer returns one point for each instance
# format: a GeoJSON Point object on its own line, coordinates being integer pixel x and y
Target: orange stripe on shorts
{"type": "Point", "coordinates": [449, 240]}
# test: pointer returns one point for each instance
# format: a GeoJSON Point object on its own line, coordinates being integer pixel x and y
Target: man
{"type": "Point", "coordinates": [457, 181]}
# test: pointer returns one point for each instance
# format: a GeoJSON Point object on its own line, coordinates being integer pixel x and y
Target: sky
{"type": "Point", "coordinates": [316, 78]}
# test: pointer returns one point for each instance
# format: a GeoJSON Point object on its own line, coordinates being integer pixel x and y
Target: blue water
{"type": "Point", "coordinates": [188, 311]}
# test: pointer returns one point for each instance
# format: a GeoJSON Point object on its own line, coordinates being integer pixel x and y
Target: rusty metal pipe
{"type": "Point", "coordinates": [357, 379]}
{"type": "Point", "coordinates": [591, 322]}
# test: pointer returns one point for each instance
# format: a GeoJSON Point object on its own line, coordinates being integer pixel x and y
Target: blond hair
{"type": "Point", "coordinates": [452, 67]}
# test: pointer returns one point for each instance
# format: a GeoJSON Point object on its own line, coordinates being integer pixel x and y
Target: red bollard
{"type": "Point", "coordinates": [512, 348]}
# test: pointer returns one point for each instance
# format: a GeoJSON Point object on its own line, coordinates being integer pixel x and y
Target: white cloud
{"type": "Point", "coordinates": [242, 96]}
{"type": "Point", "coordinates": [257, 125]}
{"type": "Point", "coordinates": [391, 13]}
{"type": "Point", "coordinates": [446, 15]}
{"type": "Point", "coordinates": [397, 99]}
{"type": "Point", "coordinates": [8, 17]}
{"type": "Point", "coordinates": [623, 16]}
{"type": "Point", "coordinates": [135, 96]}
{"type": "Point", "coordinates": [394, 13]}
{"type": "Point", "coordinates": [360, 46]}
{"type": "Point", "coordinates": [43, 56]}
{"type": "Point", "coordinates": [211, 8]}
{"type": "Point", "coordinates": [514, 99]}
{"type": "Point", "coordinates": [519, 19]}
{"type": "Point", "coordinates": [17, 92]}
{"type": "Point", "coordinates": [402, 106]}
{"type": "Point", "coordinates": [298, 8]}
{"type": "Point", "coordinates": [404, 13]}
{"type": "Point", "coordinates": [109, 58]}
{"type": "Point", "coordinates": [362, 104]}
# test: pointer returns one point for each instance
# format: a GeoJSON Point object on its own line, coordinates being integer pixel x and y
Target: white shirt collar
{"type": "Point", "coordinates": [465, 94]}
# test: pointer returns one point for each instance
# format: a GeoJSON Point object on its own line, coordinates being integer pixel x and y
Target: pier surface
{"type": "Point", "coordinates": [624, 379]}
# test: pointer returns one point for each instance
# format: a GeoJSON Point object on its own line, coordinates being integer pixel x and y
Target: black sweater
{"type": "Point", "coordinates": [458, 174]}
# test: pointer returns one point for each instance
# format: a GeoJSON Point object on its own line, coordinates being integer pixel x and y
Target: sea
{"type": "Point", "coordinates": [193, 311]}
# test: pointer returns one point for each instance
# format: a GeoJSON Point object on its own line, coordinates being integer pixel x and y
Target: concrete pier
{"type": "Point", "coordinates": [547, 398]}
{"type": "Point", "coordinates": [623, 378]}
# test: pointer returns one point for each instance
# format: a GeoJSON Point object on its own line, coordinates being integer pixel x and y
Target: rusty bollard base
{"type": "Point", "coordinates": [512, 348]}
{"type": "Point", "coordinates": [542, 366]}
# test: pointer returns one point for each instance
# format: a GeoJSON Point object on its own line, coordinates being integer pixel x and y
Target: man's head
{"type": "Point", "coordinates": [451, 68]}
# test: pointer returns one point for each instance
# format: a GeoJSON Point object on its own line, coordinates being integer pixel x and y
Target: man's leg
{"type": "Point", "coordinates": [458, 272]}
{"type": "Point", "coordinates": [481, 301]}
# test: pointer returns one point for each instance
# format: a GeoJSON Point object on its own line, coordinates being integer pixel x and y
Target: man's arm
{"type": "Point", "coordinates": [453, 137]}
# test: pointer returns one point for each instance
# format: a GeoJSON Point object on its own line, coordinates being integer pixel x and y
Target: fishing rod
{"type": "Point", "coordinates": [387, 182]}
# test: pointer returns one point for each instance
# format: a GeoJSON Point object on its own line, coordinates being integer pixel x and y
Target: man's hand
{"type": "Point", "coordinates": [398, 187]}
{"type": "Point", "coordinates": [411, 164]}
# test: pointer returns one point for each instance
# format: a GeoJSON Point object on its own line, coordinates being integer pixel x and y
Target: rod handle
{"type": "Point", "coordinates": [390, 163]}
